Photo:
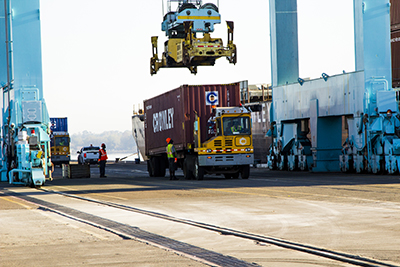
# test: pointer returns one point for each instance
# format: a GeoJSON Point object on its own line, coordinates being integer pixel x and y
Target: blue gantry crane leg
{"type": "Point", "coordinates": [25, 142]}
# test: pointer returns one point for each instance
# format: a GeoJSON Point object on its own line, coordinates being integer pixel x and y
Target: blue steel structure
{"type": "Point", "coordinates": [308, 116]}
{"type": "Point", "coordinates": [25, 150]}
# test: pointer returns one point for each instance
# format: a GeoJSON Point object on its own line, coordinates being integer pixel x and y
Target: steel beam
{"type": "Point", "coordinates": [284, 42]}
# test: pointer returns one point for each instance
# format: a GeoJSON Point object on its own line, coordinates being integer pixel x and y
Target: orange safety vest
{"type": "Point", "coordinates": [103, 155]}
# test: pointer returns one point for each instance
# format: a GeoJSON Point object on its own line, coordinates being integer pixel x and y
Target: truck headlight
{"type": "Point", "coordinates": [248, 149]}
{"type": "Point", "coordinates": [209, 150]}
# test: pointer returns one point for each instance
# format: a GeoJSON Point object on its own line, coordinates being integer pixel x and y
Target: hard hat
{"type": "Point", "coordinates": [168, 140]}
{"type": "Point", "coordinates": [103, 145]}
{"type": "Point", "coordinates": [389, 111]}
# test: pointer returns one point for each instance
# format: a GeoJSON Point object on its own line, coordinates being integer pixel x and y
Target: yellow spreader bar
{"type": "Point", "coordinates": [199, 17]}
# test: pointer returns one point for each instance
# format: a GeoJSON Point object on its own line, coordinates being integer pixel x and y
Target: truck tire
{"type": "Point", "coordinates": [187, 173]}
{"type": "Point", "coordinates": [150, 168]}
{"type": "Point", "coordinates": [198, 171]}
{"type": "Point", "coordinates": [157, 166]}
{"type": "Point", "coordinates": [162, 165]}
{"type": "Point", "coordinates": [245, 172]}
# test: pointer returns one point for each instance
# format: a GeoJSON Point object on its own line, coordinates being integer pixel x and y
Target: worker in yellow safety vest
{"type": "Point", "coordinates": [236, 127]}
{"type": "Point", "coordinates": [102, 160]}
{"type": "Point", "coordinates": [171, 154]}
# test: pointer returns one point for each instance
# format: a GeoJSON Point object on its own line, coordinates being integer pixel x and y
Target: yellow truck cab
{"type": "Point", "coordinates": [60, 148]}
{"type": "Point", "coordinates": [230, 151]}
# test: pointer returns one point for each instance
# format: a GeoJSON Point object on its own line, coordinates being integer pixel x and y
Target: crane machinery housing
{"type": "Point", "coordinates": [308, 115]}
{"type": "Point", "coordinates": [183, 48]}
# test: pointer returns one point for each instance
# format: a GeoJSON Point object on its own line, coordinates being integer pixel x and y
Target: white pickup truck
{"type": "Point", "coordinates": [88, 155]}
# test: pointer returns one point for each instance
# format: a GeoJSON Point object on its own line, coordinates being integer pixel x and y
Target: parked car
{"type": "Point", "coordinates": [88, 155]}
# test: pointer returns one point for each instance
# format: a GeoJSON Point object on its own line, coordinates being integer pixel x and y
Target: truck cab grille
{"type": "Point", "coordinates": [229, 142]}
{"type": "Point", "coordinates": [217, 143]}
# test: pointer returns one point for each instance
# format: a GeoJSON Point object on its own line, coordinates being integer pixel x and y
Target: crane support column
{"type": "Point", "coordinates": [284, 42]}
{"type": "Point", "coordinates": [25, 148]}
{"type": "Point", "coordinates": [372, 38]}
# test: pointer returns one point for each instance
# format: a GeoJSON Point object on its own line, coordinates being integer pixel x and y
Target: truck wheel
{"type": "Point", "coordinates": [31, 184]}
{"type": "Point", "coordinates": [198, 171]}
{"type": "Point", "coordinates": [235, 175]}
{"type": "Point", "coordinates": [162, 165]}
{"type": "Point", "coordinates": [245, 172]}
{"type": "Point", "coordinates": [187, 173]}
{"type": "Point", "coordinates": [150, 168]}
{"type": "Point", "coordinates": [157, 165]}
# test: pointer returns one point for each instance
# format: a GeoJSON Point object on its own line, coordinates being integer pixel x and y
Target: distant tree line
{"type": "Point", "coordinates": [115, 141]}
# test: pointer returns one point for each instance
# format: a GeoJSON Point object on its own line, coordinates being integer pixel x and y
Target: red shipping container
{"type": "Point", "coordinates": [395, 15]}
{"type": "Point", "coordinates": [395, 45]}
{"type": "Point", "coordinates": [172, 114]}
{"type": "Point", "coordinates": [395, 42]}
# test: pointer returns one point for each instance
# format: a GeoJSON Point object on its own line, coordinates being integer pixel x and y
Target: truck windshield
{"type": "Point", "coordinates": [89, 148]}
{"type": "Point", "coordinates": [236, 125]}
{"type": "Point", "coordinates": [62, 141]}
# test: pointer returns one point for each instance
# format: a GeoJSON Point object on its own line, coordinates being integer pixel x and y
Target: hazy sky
{"type": "Point", "coordinates": [96, 53]}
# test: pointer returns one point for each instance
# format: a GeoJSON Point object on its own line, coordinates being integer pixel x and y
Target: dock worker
{"type": "Point", "coordinates": [102, 160]}
{"type": "Point", "coordinates": [171, 154]}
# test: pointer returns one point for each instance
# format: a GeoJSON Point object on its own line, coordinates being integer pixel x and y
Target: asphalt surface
{"type": "Point", "coordinates": [356, 214]}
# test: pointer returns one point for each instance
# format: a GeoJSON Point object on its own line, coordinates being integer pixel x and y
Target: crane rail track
{"type": "Point", "coordinates": [322, 252]}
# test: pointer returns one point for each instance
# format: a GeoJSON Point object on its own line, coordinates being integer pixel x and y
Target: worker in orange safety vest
{"type": "Point", "coordinates": [102, 160]}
